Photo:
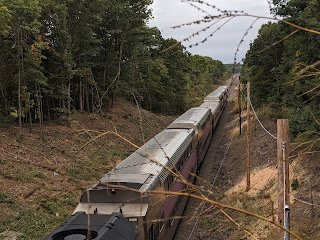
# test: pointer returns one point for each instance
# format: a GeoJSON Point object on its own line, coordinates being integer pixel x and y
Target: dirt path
{"type": "Point", "coordinates": [214, 172]}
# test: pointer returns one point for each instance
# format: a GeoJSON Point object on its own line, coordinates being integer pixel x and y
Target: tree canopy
{"type": "Point", "coordinates": [286, 76]}
{"type": "Point", "coordinates": [60, 56]}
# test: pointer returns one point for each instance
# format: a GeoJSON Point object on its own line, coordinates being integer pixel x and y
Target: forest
{"type": "Point", "coordinates": [283, 66]}
{"type": "Point", "coordinates": [59, 57]}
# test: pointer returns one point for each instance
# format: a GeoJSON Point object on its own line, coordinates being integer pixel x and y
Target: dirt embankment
{"type": "Point", "coordinates": [223, 178]}
{"type": "Point", "coordinates": [28, 161]}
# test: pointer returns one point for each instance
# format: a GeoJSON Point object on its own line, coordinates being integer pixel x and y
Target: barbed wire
{"type": "Point", "coordinates": [226, 14]}
{"type": "Point", "coordinates": [242, 40]}
{"type": "Point", "coordinates": [206, 39]}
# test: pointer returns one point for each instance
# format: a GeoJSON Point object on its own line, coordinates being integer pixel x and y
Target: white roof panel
{"type": "Point", "coordinates": [213, 106]}
{"type": "Point", "coordinates": [217, 94]}
{"type": "Point", "coordinates": [193, 118]}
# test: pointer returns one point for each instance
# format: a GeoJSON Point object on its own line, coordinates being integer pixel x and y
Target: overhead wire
{"type": "Point", "coordinates": [299, 200]}
{"type": "Point", "coordinates": [255, 114]}
{"type": "Point", "coordinates": [260, 121]}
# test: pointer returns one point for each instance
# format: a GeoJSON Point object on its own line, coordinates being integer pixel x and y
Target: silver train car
{"type": "Point", "coordinates": [180, 148]}
{"type": "Point", "coordinates": [198, 119]}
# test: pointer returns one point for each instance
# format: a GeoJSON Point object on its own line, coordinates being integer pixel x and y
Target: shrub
{"type": "Point", "coordinates": [7, 198]}
{"type": "Point", "coordinates": [295, 184]}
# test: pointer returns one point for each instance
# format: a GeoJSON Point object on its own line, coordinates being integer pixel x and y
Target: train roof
{"type": "Point", "coordinates": [217, 94]}
{"type": "Point", "coordinates": [128, 209]}
{"type": "Point", "coordinates": [193, 118]}
{"type": "Point", "coordinates": [107, 227]}
{"type": "Point", "coordinates": [213, 106]}
{"type": "Point", "coordinates": [139, 168]}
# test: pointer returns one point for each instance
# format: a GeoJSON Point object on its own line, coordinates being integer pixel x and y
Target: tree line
{"type": "Point", "coordinates": [283, 66]}
{"type": "Point", "coordinates": [61, 56]}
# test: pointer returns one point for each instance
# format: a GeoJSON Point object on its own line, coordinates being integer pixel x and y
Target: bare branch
{"type": "Point", "coordinates": [218, 204]}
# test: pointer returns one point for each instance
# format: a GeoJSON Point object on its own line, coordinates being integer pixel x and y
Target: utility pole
{"type": "Point", "coordinates": [283, 174]}
{"type": "Point", "coordinates": [248, 136]}
{"type": "Point", "coordinates": [239, 102]}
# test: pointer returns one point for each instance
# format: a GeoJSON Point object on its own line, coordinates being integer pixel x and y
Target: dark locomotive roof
{"type": "Point", "coordinates": [102, 227]}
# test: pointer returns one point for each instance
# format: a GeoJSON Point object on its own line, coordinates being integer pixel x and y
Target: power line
{"type": "Point", "coordinates": [299, 200]}
{"type": "Point", "coordinates": [260, 122]}
{"type": "Point", "coordinates": [257, 116]}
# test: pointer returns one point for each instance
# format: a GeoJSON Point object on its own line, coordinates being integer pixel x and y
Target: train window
{"type": "Point", "coordinates": [179, 164]}
{"type": "Point", "coordinates": [178, 200]}
{"type": "Point", "coordinates": [171, 222]}
{"type": "Point", "coordinates": [161, 226]}
{"type": "Point", "coordinates": [189, 152]}
{"type": "Point", "coordinates": [151, 233]}
{"type": "Point", "coordinates": [167, 183]}
{"type": "Point", "coordinates": [156, 231]}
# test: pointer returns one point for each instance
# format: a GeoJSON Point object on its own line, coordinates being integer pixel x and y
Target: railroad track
{"type": "Point", "coordinates": [191, 226]}
{"type": "Point", "coordinates": [129, 202]}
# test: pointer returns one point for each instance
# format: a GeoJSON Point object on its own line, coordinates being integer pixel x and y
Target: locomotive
{"type": "Point", "coordinates": [119, 213]}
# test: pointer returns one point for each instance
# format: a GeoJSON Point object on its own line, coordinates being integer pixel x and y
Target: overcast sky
{"type": "Point", "coordinates": [223, 44]}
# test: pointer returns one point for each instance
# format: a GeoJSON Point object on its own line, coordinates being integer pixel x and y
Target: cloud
{"type": "Point", "coordinates": [223, 44]}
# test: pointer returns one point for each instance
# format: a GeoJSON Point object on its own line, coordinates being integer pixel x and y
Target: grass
{"type": "Point", "coordinates": [7, 198]}
{"type": "Point", "coordinates": [103, 154]}
{"type": "Point", "coordinates": [35, 216]}
{"type": "Point", "coordinates": [81, 173]}
{"type": "Point", "coordinates": [35, 224]}
{"type": "Point", "coordinates": [2, 161]}
{"type": "Point", "coordinates": [19, 218]}
{"type": "Point", "coordinates": [31, 175]}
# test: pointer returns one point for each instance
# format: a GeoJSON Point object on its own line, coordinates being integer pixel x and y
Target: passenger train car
{"type": "Point", "coordinates": [178, 149]}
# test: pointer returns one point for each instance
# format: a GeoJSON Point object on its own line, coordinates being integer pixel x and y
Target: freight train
{"type": "Point", "coordinates": [119, 213]}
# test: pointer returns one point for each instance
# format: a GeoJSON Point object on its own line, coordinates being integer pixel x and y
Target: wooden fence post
{"type": "Point", "coordinates": [248, 137]}
{"type": "Point", "coordinates": [239, 102]}
{"type": "Point", "coordinates": [283, 168]}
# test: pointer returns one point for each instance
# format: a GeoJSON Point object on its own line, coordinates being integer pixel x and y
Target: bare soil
{"type": "Point", "coordinates": [31, 194]}
{"type": "Point", "coordinates": [223, 175]}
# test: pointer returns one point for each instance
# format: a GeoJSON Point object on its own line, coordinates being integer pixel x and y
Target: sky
{"type": "Point", "coordinates": [223, 44]}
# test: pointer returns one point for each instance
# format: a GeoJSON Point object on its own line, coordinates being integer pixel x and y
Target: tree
{"type": "Point", "coordinates": [24, 26]}
{"type": "Point", "coordinates": [285, 75]}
